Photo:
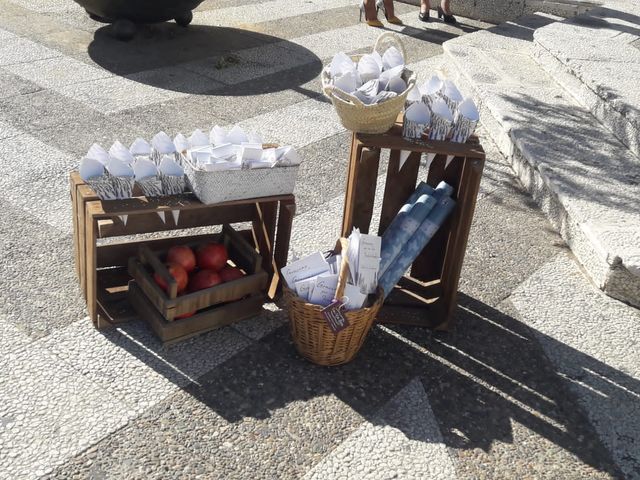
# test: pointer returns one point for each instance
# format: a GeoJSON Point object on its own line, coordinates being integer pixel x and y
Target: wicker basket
{"type": "Point", "coordinates": [228, 185]}
{"type": "Point", "coordinates": [311, 334]}
{"type": "Point", "coordinates": [355, 115]}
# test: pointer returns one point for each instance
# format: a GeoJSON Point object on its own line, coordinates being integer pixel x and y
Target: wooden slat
{"type": "Point", "coordinates": [184, 203]}
{"type": "Point", "coordinates": [350, 189]}
{"type": "Point", "coordinates": [461, 225]}
{"type": "Point", "coordinates": [399, 186]}
{"type": "Point", "coordinates": [210, 319]}
{"type": "Point", "coordinates": [150, 222]}
{"type": "Point", "coordinates": [411, 292]}
{"type": "Point", "coordinates": [264, 228]}
{"type": "Point", "coordinates": [117, 254]}
{"type": "Point", "coordinates": [91, 233]}
{"type": "Point", "coordinates": [83, 195]}
{"type": "Point", "coordinates": [286, 211]}
{"type": "Point", "coordinates": [393, 140]}
{"type": "Point", "coordinates": [365, 189]}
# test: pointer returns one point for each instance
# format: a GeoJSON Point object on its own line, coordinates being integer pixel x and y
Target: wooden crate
{"type": "Point", "coordinates": [170, 305]}
{"type": "Point", "coordinates": [427, 296]}
{"type": "Point", "coordinates": [102, 268]}
{"type": "Point", "coordinates": [170, 332]}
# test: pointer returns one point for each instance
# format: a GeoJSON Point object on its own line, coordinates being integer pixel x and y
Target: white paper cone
{"type": "Point", "coordinates": [404, 155]}
{"type": "Point", "coordinates": [162, 217]}
{"type": "Point", "coordinates": [176, 215]}
{"type": "Point", "coordinates": [448, 161]}
{"type": "Point", "coordinates": [124, 219]}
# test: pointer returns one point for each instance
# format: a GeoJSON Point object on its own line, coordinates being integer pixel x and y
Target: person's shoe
{"type": "Point", "coordinates": [447, 18]}
{"type": "Point", "coordinates": [395, 20]}
{"type": "Point", "coordinates": [371, 23]}
{"type": "Point", "coordinates": [424, 17]}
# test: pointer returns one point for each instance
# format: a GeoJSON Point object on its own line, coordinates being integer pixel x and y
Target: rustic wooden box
{"type": "Point", "coordinates": [102, 269]}
{"type": "Point", "coordinates": [170, 305]}
{"type": "Point", "coordinates": [426, 297]}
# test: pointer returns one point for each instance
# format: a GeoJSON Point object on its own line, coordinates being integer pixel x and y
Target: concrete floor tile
{"type": "Point", "coordinates": [49, 413]}
{"type": "Point", "coordinates": [131, 364]}
{"type": "Point", "coordinates": [591, 339]}
{"type": "Point", "coordinates": [401, 441]}
{"type": "Point", "coordinates": [20, 50]}
{"type": "Point", "coordinates": [60, 71]}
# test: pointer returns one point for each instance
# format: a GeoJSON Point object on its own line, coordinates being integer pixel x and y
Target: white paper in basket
{"type": "Point", "coordinates": [392, 58]}
{"type": "Point", "coordinates": [161, 145]}
{"type": "Point", "coordinates": [181, 143]}
{"type": "Point", "coordinates": [218, 135]}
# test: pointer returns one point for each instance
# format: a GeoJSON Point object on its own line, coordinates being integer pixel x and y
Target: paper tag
{"type": "Point", "coordinates": [334, 316]}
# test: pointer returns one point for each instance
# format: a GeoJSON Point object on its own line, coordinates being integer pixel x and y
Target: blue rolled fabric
{"type": "Point", "coordinates": [410, 250]}
{"type": "Point", "coordinates": [408, 220]}
{"type": "Point", "coordinates": [399, 232]}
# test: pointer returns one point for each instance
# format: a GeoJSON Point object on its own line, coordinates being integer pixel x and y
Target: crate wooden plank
{"type": "Point", "coordinates": [365, 188]}
{"type": "Point", "coordinates": [185, 202]}
{"type": "Point", "coordinates": [350, 190]}
{"type": "Point", "coordinates": [264, 227]}
{"type": "Point", "coordinates": [212, 318]}
{"type": "Point", "coordinates": [399, 186]}
{"type": "Point", "coordinates": [286, 212]}
{"type": "Point", "coordinates": [118, 253]}
{"type": "Point", "coordinates": [139, 223]}
{"type": "Point", "coordinates": [461, 226]}
{"type": "Point", "coordinates": [112, 296]}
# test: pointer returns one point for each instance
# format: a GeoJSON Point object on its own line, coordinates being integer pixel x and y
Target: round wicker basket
{"type": "Point", "coordinates": [377, 118]}
{"type": "Point", "coordinates": [313, 338]}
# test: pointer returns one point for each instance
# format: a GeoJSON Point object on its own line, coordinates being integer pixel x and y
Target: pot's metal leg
{"type": "Point", "coordinates": [124, 29]}
{"type": "Point", "coordinates": [184, 19]}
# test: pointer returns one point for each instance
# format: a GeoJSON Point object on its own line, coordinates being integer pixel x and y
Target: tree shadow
{"type": "Point", "coordinates": [489, 372]}
{"type": "Point", "coordinates": [197, 60]}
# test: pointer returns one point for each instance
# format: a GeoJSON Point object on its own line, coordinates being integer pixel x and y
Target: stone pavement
{"type": "Point", "coordinates": [539, 379]}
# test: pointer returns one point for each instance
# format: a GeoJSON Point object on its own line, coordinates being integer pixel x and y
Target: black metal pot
{"type": "Point", "coordinates": [124, 14]}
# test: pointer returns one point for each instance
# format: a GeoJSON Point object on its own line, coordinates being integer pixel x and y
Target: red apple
{"type": "Point", "coordinates": [184, 256]}
{"type": "Point", "coordinates": [212, 256]}
{"type": "Point", "coordinates": [204, 279]}
{"type": "Point", "coordinates": [229, 273]}
{"type": "Point", "coordinates": [179, 275]}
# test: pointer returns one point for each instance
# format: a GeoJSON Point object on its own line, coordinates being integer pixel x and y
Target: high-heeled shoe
{"type": "Point", "coordinates": [371, 23]}
{"type": "Point", "coordinates": [395, 20]}
{"type": "Point", "coordinates": [448, 18]}
{"type": "Point", "coordinates": [424, 17]}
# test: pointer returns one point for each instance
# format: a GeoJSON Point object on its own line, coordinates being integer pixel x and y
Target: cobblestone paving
{"type": "Point", "coordinates": [539, 379]}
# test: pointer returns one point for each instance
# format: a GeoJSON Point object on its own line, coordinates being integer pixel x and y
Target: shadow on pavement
{"type": "Point", "coordinates": [487, 374]}
{"type": "Point", "coordinates": [200, 59]}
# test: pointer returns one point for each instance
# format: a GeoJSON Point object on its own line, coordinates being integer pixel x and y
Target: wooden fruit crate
{"type": "Point", "coordinates": [102, 268]}
{"type": "Point", "coordinates": [170, 305]}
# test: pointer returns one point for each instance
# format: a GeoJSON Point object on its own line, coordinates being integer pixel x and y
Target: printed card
{"type": "Point", "coordinates": [306, 267]}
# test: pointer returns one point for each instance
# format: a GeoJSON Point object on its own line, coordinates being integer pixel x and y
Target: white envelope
{"type": "Point", "coordinates": [306, 267]}
{"type": "Point", "coordinates": [144, 168]}
{"type": "Point", "coordinates": [355, 298]}
{"type": "Point", "coordinates": [324, 290]}
{"type": "Point", "coordinates": [237, 136]}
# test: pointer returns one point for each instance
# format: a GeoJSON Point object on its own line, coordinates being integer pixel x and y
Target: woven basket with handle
{"type": "Point", "coordinates": [311, 335]}
{"type": "Point", "coordinates": [377, 118]}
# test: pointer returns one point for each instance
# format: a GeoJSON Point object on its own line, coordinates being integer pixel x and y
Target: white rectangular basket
{"type": "Point", "coordinates": [228, 185]}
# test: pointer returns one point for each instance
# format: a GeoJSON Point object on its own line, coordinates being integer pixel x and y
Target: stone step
{"type": "Point", "coordinates": [581, 175]}
{"type": "Point", "coordinates": [596, 57]}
